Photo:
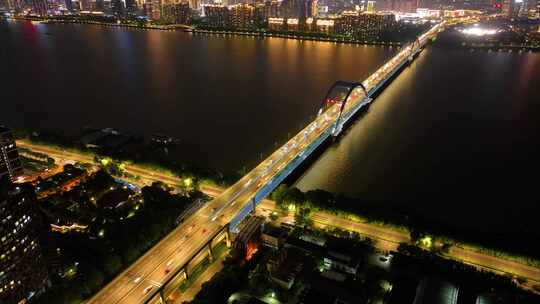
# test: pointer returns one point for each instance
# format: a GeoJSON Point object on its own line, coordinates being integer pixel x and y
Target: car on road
{"type": "Point", "coordinates": [147, 289]}
{"type": "Point", "coordinates": [137, 280]}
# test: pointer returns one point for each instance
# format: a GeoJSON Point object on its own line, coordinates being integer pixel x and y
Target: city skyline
{"type": "Point", "coordinates": [295, 151]}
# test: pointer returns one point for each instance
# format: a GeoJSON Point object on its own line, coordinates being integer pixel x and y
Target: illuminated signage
{"type": "Point", "coordinates": [325, 22]}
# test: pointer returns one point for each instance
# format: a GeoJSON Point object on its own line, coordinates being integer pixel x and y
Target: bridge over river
{"type": "Point", "coordinates": [155, 277]}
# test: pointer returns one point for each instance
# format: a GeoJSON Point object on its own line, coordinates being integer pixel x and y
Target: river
{"type": "Point", "coordinates": [454, 137]}
{"type": "Point", "coordinates": [228, 99]}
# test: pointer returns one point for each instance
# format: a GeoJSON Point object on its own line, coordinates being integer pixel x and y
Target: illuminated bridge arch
{"type": "Point", "coordinates": [339, 93]}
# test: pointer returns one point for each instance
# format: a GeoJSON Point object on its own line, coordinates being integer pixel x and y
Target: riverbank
{"type": "Point", "coordinates": [501, 47]}
{"type": "Point", "coordinates": [388, 232]}
{"type": "Point", "coordinates": [303, 36]}
{"type": "Point", "coordinates": [172, 27]}
{"type": "Point", "coordinates": [417, 231]}
{"type": "Point", "coordinates": [293, 35]}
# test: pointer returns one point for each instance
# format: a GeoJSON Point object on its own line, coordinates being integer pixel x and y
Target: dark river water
{"type": "Point", "coordinates": [453, 137]}
{"type": "Point", "coordinates": [228, 99]}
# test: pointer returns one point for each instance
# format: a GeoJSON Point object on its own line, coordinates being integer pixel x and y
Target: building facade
{"type": "Point", "coordinates": [40, 7]}
{"type": "Point", "coordinates": [364, 26]}
{"type": "Point", "coordinates": [176, 13]}
{"type": "Point", "coordinates": [242, 16]}
{"type": "Point", "coordinates": [10, 164]}
{"type": "Point", "coordinates": [23, 272]}
{"type": "Point", "coordinates": [218, 15]}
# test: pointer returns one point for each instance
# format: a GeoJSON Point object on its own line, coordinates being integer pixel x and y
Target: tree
{"type": "Point", "coordinates": [95, 279]}
{"type": "Point", "coordinates": [302, 217]}
{"type": "Point", "coordinates": [279, 196]}
{"type": "Point", "coordinates": [130, 253]}
{"type": "Point", "coordinates": [295, 196]}
{"type": "Point", "coordinates": [416, 235]}
{"type": "Point", "coordinates": [112, 264]}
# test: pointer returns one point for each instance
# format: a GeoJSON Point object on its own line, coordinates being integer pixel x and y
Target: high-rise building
{"type": "Point", "coordinates": [272, 9]}
{"type": "Point", "coordinates": [534, 9]}
{"type": "Point", "coordinates": [195, 4]}
{"type": "Point", "coordinates": [117, 7]}
{"type": "Point", "coordinates": [15, 5]}
{"type": "Point", "coordinates": [98, 6]}
{"type": "Point", "coordinates": [155, 10]}
{"type": "Point", "coordinates": [404, 6]}
{"type": "Point", "coordinates": [176, 13]}
{"type": "Point", "coordinates": [40, 7]}
{"type": "Point", "coordinates": [23, 272]}
{"type": "Point", "coordinates": [242, 16]}
{"type": "Point", "coordinates": [522, 7]}
{"type": "Point", "coordinates": [364, 26]}
{"type": "Point", "coordinates": [85, 5]}
{"type": "Point", "coordinates": [69, 5]}
{"type": "Point", "coordinates": [509, 8]}
{"type": "Point", "coordinates": [131, 7]}
{"type": "Point", "coordinates": [297, 9]}
{"type": "Point", "coordinates": [218, 15]}
{"type": "Point", "coordinates": [10, 164]}
{"type": "Point", "coordinates": [314, 8]}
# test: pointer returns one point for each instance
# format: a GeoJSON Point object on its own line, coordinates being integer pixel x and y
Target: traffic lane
{"type": "Point", "coordinates": [363, 228]}
{"type": "Point", "coordinates": [249, 193]}
{"type": "Point", "coordinates": [367, 229]}
{"type": "Point", "coordinates": [496, 263]}
{"type": "Point", "coordinates": [117, 289]}
{"type": "Point", "coordinates": [156, 273]}
{"type": "Point", "coordinates": [182, 253]}
{"type": "Point", "coordinates": [141, 292]}
{"type": "Point", "coordinates": [181, 256]}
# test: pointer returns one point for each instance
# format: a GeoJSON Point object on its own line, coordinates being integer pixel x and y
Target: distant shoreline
{"type": "Point", "coordinates": [295, 36]}
{"type": "Point", "coordinates": [183, 28]}
{"type": "Point", "coordinates": [189, 29]}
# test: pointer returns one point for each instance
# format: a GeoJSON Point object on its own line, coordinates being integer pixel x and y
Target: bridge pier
{"type": "Point", "coordinates": [185, 274]}
{"type": "Point", "coordinates": [162, 296]}
{"type": "Point", "coordinates": [228, 238]}
{"type": "Point", "coordinates": [209, 253]}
